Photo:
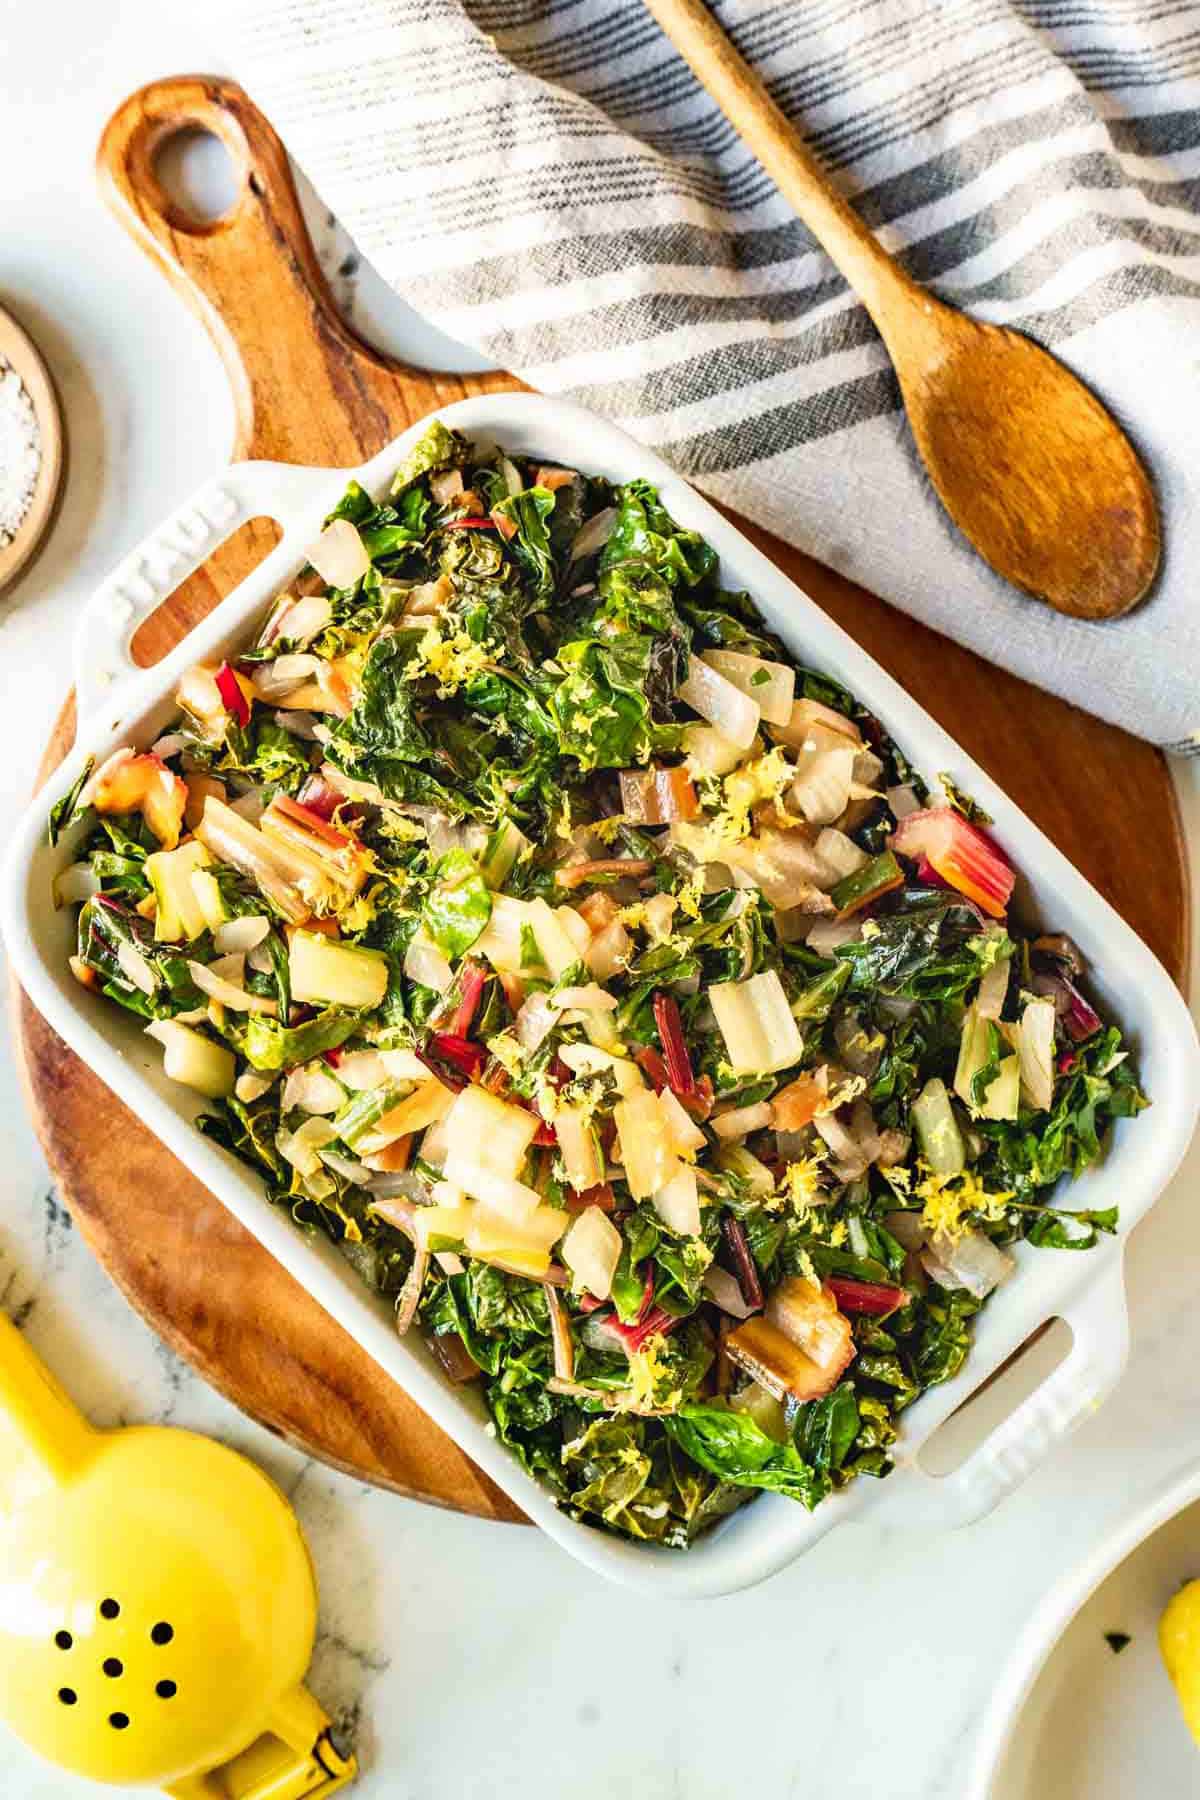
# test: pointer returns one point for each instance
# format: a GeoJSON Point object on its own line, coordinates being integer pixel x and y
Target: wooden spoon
{"type": "Point", "coordinates": [1033, 470]}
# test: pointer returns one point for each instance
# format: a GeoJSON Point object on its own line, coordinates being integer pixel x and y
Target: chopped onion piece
{"type": "Point", "coordinates": [199, 696]}
{"type": "Point", "coordinates": [583, 999]}
{"type": "Point", "coordinates": [971, 1261]}
{"type": "Point", "coordinates": [852, 1159]}
{"type": "Point", "coordinates": [646, 1139]}
{"type": "Point", "coordinates": [399, 1065]}
{"type": "Point", "coordinates": [716, 699]}
{"type": "Point", "coordinates": [348, 1170]}
{"type": "Point", "coordinates": [785, 866]}
{"type": "Point", "coordinates": [229, 993]}
{"type": "Point", "coordinates": [274, 681]}
{"type": "Point", "coordinates": [241, 934]}
{"type": "Point", "coordinates": [710, 752]}
{"type": "Point", "coordinates": [907, 1229]}
{"type": "Point", "coordinates": [313, 1089]}
{"type": "Point", "coordinates": [608, 952]}
{"type": "Point", "coordinates": [486, 1133]}
{"type": "Point", "coordinates": [828, 935]}
{"type": "Point", "coordinates": [135, 968]}
{"type": "Point", "coordinates": [822, 786]}
{"type": "Point", "coordinates": [903, 800]}
{"type": "Point", "coordinates": [306, 618]}
{"type": "Point", "coordinates": [425, 964]}
{"type": "Point", "coordinates": [77, 883]}
{"type": "Point", "coordinates": [841, 854]}
{"type": "Point", "coordinates": [770, 685]}
{"type": "Point", "coordinates": [739, 1121]}
{"type": "Point", "coordinates": [168, 745]}
{"type": "Point", "coordinates": [990, 997]}
{"type": "Point", "coordinates": [723, 1289]}
{"type": "Point", "coordinates": [1035, 1049]}
{"type": "Point", "coordinates": [251, 1086]}
{"type": "Point", "coordinates": [677, 1203]}
{"type": "Point", "coordinates": [579, 1147]}
{"type": "Point", "coordinates": [686, 1136]}
{"type": "Point", "coordinates": [805, 714]}
{"type": "Point", "coordinates": [339, 555]}
{"type": "Point", "coordinates": [591, 1250]}
{"type": "Point", "coordinates": [658, 914]}
{"type": "Point", "coordinates": [535, 1021]}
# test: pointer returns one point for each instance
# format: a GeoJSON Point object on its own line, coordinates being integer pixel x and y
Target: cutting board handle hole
{"type": "Point", "coordinates": [198, 176]}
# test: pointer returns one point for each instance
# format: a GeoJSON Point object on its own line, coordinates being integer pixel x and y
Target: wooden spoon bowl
{"type": "Point", "coordinates": [1034, 472]}
{"type": "Point", "coordinates": [1030, 466]}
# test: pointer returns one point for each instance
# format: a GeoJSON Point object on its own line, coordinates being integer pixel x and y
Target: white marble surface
{"type": "Point", "coordinates": [475, 1659]}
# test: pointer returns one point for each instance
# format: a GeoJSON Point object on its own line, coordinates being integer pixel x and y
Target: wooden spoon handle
{"type": "Point", "coordinates": [743, 98]}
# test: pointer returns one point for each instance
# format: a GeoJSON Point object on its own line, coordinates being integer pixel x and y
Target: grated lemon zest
{"type": "Point", "coordinates": [948, 1201]}
{"type": "Point", "coordinates": [451, 661]}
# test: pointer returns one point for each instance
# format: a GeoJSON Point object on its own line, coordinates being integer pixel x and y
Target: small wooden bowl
{"type": "Point", "coordinates": [19, 351]}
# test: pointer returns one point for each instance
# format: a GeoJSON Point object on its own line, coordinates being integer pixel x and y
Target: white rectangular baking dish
{"type": "Point", "coordinates": [120, 704]}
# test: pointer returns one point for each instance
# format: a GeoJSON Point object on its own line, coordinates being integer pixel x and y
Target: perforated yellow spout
{"type": "Point", "coordinates": [157, 1605]}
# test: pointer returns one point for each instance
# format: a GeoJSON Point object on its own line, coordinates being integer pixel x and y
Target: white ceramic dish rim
{"type": "Point", "coordinates": [119, 703]}
{"type": "Point", "coordinates": [1037, 1643]}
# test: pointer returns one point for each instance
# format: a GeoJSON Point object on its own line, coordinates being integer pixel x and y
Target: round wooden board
{"type": "Point", "coordinates": [19, 351]}
{"type": "Point", "coordinates": [308, 391]}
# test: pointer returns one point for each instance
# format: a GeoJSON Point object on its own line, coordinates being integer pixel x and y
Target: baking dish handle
{"type": "Point", "coordinates": [172, 552]}
{"type": "Point", "coordinates": [1099, 1324]}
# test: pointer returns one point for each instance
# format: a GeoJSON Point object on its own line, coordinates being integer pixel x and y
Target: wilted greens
{"type": "Point", "coordinates": [605, 984]}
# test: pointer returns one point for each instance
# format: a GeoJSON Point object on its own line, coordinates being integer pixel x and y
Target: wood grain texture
{"type": "Point", "coordinates": [1033, 470]}
{"type": "Point", "coordinates": [308, 390]}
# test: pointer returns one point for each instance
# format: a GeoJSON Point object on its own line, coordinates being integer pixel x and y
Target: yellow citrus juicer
{"type": "Point", "coordinates": [157, 1605]}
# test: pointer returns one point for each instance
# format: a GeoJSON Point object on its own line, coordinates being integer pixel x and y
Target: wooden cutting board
{"type": "Point", "coordinates": [307, 390]}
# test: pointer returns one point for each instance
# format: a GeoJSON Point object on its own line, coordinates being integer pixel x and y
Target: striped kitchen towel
{"type": "Point", "coordinates": [547, 181]}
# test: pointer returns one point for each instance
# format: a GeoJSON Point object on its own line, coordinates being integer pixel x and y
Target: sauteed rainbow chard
{"type": "Point", "coordinates": [605, 984]}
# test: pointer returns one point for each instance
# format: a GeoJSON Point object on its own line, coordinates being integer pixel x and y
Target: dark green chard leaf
{"type": "Point", "coordinates": [105, 929]}
{"type": "Point", "coordinates": [438, 448]}
{"type": "Point", "coordinates": [63, 811]}
{"type": "Point", "coordinates": [459, 905]}
{"type": "Point", "coordinates": [730, 1444]}
{"type": "Point", "coordinates": [268, 1045]}
{"type": "Point", "coordinates": [645, 532]}
{"type": "Point", "coordinates": [529, 512]}
{"type": "Point", "coordinates": [825, 1430]}
{"type": "Point", "coordinates": [249, 1132]}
